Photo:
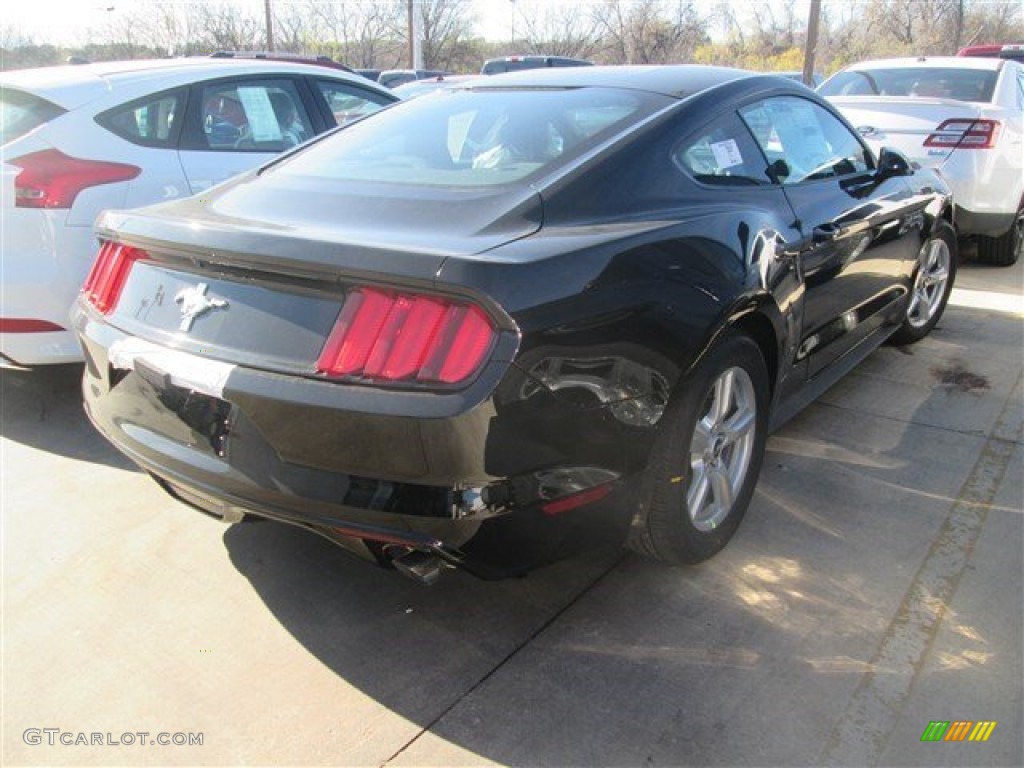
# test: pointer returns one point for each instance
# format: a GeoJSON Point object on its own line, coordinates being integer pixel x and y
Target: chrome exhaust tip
{"type": "Point", "coordinates": [422, 567]}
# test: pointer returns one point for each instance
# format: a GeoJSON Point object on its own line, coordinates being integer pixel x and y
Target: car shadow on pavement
{"type": "Point", "coordinates": [415, 650]}
{"type": "Point", "coordinates": [42, 408]}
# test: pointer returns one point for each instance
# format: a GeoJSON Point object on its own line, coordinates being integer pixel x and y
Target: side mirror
{"type": "Point", "coordinates": [892, 162]}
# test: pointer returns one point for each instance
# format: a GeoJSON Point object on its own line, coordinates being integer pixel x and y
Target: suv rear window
{"type": "Point", "coordinates": [916, 82]}
{"type": "Point", "coordinates": [22, 112]}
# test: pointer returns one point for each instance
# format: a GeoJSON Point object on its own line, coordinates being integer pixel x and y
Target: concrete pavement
{"type": "Point", "coordinates": [875, 586]}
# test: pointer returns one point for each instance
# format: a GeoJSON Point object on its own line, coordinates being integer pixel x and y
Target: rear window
{"type": "Point", "coordinates": [915, 82]}
{"type": "Point", "coordinates": [22, 112]}
{"type": "Point", "coordinates": [474, 138]}
{"type": "Point", "coordinates": [513, 65]}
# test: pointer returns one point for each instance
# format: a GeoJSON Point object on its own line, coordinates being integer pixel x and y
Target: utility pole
{"type": "Point", "coordinates": [270, 24]}
{"type": "Point", "coordinates": [812, 43]}
{"type": "Point", "coordinates": [410, 33]}
{"type": "Point", "coordinates": [415, 33]}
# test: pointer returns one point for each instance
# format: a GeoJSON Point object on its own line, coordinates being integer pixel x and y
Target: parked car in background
{"type": "Point", "coordinates": [82, 138]}
{"type": "Point", "coordinates": [479, 330]}
{"type": "Point", "coordinates": [321, 61]}
{"type": "Point", "coordinates": [416, 88]}
{"type": "Point", "coordinates": [816, 79]}
{"type": "Point", "coordinates": [369, 74]}
{"type": "Point", "coordinates": [1014, 51]}
{"type": "Point", "coordinates": [961, 115]}
{"type": "Point", "coordinates": [391, 78]}
{"type": "Point", "coordinates": [517, 63]}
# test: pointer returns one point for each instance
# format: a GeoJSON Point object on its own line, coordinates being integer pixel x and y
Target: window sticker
{"type": "Point", "coordinates": [727, 153]}
{"type": "Point", "coordinates": [259, 112]}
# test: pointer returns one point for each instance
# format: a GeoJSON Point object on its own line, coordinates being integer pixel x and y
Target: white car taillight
{"type": "Point", "coordinates": [51, 179]}
{"type": "Point", "coordinates": [964, 134]}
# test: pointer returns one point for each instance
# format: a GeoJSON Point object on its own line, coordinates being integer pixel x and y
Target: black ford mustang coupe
{"type": "Point", "coordinates": [486, 326]}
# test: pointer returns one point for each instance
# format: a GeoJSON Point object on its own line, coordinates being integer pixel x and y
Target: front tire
{"type": "Point", "coordinates": [933, 281]}
{"type": "Point", "coordinates": [707, 457]}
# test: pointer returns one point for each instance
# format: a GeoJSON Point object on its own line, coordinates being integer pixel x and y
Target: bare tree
{"type": "Point", "coordinates": [291, 27]}
{"type": "Point", "coordinates": [363, 34]}
{"type": "Point", "coordinates": [447, 32]}
{"type": "Point", "coordinates": [170, 28]}
{"type": "Point", "coordinates": [230, 26]}
{"type": "Point", "coordinates": [649, 31]}
{"type": "Point", "coordinates": [921, 27]}
{"type": "Point", "coordinates": [560, 30]}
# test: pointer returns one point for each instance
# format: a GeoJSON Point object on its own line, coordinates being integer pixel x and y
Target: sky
{"type": "Point", "coordinates": [61, 22]}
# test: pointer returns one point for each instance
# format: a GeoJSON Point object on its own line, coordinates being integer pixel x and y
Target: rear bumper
{"type": "Point", "coordinates": [44, 264]}
{"type": "Point", "coordinates": [988, 224]}
{"type": "Point", "coordinates": [464, 479]}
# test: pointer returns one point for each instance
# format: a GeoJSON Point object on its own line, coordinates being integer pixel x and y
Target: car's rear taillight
{"type": "Point", "coordinates": [109, 273]}
{"type": "Point", "coordinates": [401, 337]}
{"type": "Point", "coordinates": [51, 179]}
{"type": "Point", "coordinates": [964, 134]}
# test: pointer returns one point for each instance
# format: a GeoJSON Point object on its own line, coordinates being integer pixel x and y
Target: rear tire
{"type": "Point", "coordinates": [933, 281]}
{"type": "Point", "coordinates": [707, 456]}
{"type": "Point", "coordinates": [1005, 250]}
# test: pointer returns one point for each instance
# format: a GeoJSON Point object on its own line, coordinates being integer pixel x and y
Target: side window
{"type": "Point", "coordinates": [1020, 90]}
{"type": "Point", "coordinates": [261, 116]}
{"type": "Point", "coordinates": [347, 102]}
{"type": "Point", "coordinates": [722, 154]}
{"type": "Point", "coordinates": [150, 122]}
{"type": "Point", "coordinates": [803, 141]}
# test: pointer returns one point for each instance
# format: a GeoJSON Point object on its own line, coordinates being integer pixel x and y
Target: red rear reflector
{"type": "Point", "coordinates": [27, 325]}
{"type": "Point", "coordinates": [393, 337]}
{"type": "Point", "coordinates": [51, 179]}
{"type": "Point", "coordinates": [575, 500]}
{"type": "Point", "coordinates": [109, 273]}
{"type": "Point", "coordinates": [964, 134]}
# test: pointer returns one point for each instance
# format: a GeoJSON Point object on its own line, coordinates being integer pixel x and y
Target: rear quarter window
{"type": "Point", "coordinates": [149, 122]}
{"type": "Point", "coordinates": [722, 154]}
{"type": "Point", "coordinates": [21, 112]}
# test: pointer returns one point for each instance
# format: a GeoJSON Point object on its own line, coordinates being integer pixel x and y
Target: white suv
{"type": "Point", "coordinates": [963, 116]}
{"type": "Point", "coordinates": [76, 140]}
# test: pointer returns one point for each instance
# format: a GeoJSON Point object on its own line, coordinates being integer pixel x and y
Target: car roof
{"type": "Point", "coordinates": [432, 83]}
{"type": "Point", "coordinates": [675, 80]}
{"type": "Point", "coordinates": [937, 62]}
{"type": "Point", "coordinates": [72, 86]}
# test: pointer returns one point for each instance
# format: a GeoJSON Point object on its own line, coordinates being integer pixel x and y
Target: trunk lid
{"type": "Point", "coordinates": [270, 265]}
{"type": "Point", "coordinates": [905, 123]}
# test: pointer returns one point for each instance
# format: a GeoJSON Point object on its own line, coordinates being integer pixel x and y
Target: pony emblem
{"type": "Point", "coordinates": [194, 303]}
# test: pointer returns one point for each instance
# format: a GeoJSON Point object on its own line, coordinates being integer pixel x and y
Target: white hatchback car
{"type": "Point", "coordinates": [962, 116]}
{"type": "Point", "coordinates": [79, 139]}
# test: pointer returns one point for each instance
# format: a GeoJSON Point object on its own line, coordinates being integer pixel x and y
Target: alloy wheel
{"type": "Point", "coordinates": [929, 283]}
{"type": "Point", "coordinates": [721, 448]}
